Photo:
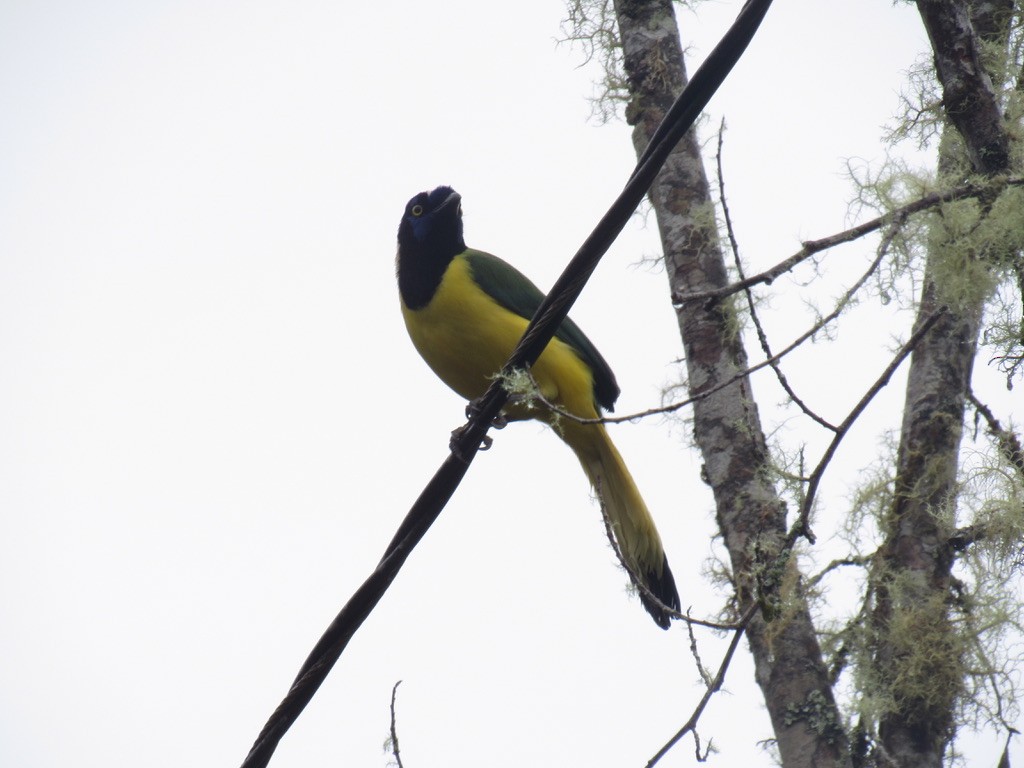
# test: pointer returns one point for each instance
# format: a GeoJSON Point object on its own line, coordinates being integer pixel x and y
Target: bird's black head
{"type": "Point", "coordinates": [433, 222]}
{"type": "Point", "coordinates": [429, 237]}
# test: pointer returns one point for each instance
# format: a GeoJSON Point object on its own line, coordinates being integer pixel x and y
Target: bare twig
{"type": "Point", "coordinates": [394, 727]}
{"type": "Point", "coordinates": [701, 757]}
{"type": "Point", "coordinates": [811, 247]}
{"type": "Point", "coordinates": [762, 337]}
{"type": "Point", "coordinates": [814, 329]}
{"type": "Point", "coordinates": [1004, 759]}
{"type": "Point", "coordinates": [1008, 442]}
{"type": "Point", "coordinates": [704, 674]}
{"type": "Point", "coordinates": [859, 560]}
{"type": "Point", "coordinates": [801, 526]}
{"type": "Point", "coordinates": [716, 685]}
{"type": "Point", "coordinates": [849, 637]}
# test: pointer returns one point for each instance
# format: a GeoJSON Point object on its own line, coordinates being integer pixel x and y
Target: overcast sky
{"type": "Point", "coordinates": [212, 420]}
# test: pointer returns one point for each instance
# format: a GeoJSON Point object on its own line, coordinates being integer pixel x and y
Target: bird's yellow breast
{"type": "Point", "coordinates": [465, 336]}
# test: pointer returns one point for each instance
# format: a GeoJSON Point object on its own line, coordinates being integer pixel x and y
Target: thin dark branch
{"type": "Point", "coordinates": [1008, 442]}
{"type": "Point", "coordinates": [762, 337]}
{"type": "Point", "coordinates": [858, 560]}
{"type": "Point", "coordinates": [394, 727]}
{"type": "Point", "coordinates": [850, 634]}
{"type": "Point", "coordinates": [991, 675]}
{"type": "Point", "coordinates": [541, 329]}
{"type": "Point", "coordinates": [841, 304]}
{"type": "Point", "coordinates": [801, 526]}
{"type": "Point", "coordinates": [812, 247]}
{"type": "Point", "coordinates": [1004, 759]}
{"type": "Point", "coordinates": [701, 757]}
{"type": "Point", "coordinates": [695, 652]}
{"type": "Point", "coordinates": [712, 689]}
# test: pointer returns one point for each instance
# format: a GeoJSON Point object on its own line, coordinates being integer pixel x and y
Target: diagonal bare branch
{"type": "Point", "coordinates": [801, 526]}
{"type": "Point", "coordinates": [811, 248]}
{"type": "Point", "coordinates": [690, 726]}
{"type": "Point", "coordinates": [762, 337]}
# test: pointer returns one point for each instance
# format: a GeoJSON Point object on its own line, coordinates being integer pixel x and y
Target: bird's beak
{"type": "Point", "coordinates": [452, 201]}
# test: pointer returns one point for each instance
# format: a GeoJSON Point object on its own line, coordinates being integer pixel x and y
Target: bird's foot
{"type": "Point", "coordinates": [453, 443]}
{"type": "Point", "coordinates": [498, 422]}
{"type": "Point", "coordinates": [472, 409]}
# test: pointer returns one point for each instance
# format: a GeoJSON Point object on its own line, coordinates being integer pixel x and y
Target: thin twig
{"type": "Point", "coordinates": [849, 634]}
{"type": "Point", "coordinates": [811, 247]}
{"type": "Point", "coordinates": [712, 689]}
{"type": "Point", "coordinates": [801, 526]}
{"type": "Point", "coordinates": [394, 727]}
{"type": "Point", "coordinates": [1004, 759]}
{"type": "Point", "coordinates": [701, 757]}
{"type": "Point", "coordinates": [704, 674]}
{"type": "Point", "coordinates": [814, 329]}
{"type": "Point", "coordinates": [859, 560]}
{"type": "Point", "coordinates": [1008, 442]}
{"type": "Point", "coordinates": [762, 337]}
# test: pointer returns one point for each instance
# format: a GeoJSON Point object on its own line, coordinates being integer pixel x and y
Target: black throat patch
{"type": "Point", "coordinates": [428, 240]}
{"type": "Point", "coordinates": [420, 269]}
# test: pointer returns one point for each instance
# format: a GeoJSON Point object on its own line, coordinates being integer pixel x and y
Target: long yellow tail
{"type": "Point", "coordinates": [631, 522]}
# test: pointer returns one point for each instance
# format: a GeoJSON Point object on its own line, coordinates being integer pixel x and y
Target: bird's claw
{"type": "Point", "coordinates": [498, 422]}
{"type": "Point", "coordinates": [472, 410]}
{"type": "Point", "coordinates": [453, 444]}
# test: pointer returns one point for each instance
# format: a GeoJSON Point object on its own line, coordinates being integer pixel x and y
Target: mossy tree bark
{"type": "Point", "coordinates": [916, 661]}
{"type": "Point", "coordinates": [917, 655]}
{"type": "Point", "coordinates": [752, 518]}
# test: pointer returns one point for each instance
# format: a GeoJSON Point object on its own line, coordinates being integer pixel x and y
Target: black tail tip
{"type": "Point", "coordinates": [663, 587]}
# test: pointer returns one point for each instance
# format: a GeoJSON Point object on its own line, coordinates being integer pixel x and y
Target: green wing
{"type": "Point", "coordinates": [514, 291]}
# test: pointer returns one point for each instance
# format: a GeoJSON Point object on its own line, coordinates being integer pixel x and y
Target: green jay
{"type": "Point", "coordinates": [465, 310]}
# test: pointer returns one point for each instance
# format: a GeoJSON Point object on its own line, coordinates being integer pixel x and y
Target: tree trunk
{"type": "Point", "coordinates": [917, 657]}
{"type": "Point", "coordinates": [752, 518]}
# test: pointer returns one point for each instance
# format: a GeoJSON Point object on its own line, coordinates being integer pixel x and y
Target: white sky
{"type": "Point", "coordinates": [211, 419]}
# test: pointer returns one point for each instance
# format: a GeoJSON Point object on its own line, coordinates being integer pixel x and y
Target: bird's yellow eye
{"type": "Point", "coordinates": [417, 210]}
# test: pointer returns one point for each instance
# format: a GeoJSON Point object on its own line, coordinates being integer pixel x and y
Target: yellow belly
{"type": "Point", "coordinates": [465, 337]}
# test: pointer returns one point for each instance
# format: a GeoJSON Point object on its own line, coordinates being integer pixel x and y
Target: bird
{"type": "Point", "coordinates": [465, 310]}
